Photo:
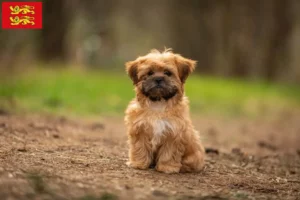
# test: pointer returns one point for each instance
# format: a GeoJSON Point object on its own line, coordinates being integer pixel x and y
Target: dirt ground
{"type": "Point", "coordinates": [46, 157]}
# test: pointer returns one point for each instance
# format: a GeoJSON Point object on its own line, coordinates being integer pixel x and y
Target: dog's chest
{"type": "Point", "coordinates": [160, 126]}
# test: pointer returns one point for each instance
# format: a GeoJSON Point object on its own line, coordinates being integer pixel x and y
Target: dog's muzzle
{"type": "Point", "coordinates": [157, 88]}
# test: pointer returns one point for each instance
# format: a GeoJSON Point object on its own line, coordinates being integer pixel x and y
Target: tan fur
{"type": "Point", "coordinates": [161, 132]}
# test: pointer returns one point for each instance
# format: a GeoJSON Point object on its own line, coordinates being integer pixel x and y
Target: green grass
{"type": "Point", "coordinates": [108, 93]}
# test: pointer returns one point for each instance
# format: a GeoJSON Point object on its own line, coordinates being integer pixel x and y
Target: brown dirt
{"type": "Point", "coordinates": [44, 157]}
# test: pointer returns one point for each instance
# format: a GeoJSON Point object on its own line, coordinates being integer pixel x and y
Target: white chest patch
{"type": "Point", "coordinates": [160, 126]}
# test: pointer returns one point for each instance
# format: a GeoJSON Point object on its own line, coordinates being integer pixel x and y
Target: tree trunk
{"type": "Point", "coordinates": [55, 26]}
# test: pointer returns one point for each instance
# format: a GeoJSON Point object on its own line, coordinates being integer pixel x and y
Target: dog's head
{"type": "Point", "coordinates": [160, 75]}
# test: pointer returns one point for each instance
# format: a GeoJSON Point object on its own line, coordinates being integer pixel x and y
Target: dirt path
{"type": "Point", "coordinates": [44, 157]}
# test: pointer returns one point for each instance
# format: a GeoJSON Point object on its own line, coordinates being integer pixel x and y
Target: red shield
{"type": "Point", "coordinates": [22, 15]}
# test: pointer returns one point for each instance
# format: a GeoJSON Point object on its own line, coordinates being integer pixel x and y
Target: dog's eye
{"type": "Point", "coordinates": [150, 73]}
{"type": "Point", "coordinates": [168, 73]}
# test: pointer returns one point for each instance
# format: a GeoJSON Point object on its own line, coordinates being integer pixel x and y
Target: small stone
{"type": "Point", "coordinates": [159, 193]}
{"type": "Point", "coordinates": [212, 150]}
{"type": "Point", "coordinates": [236, 151]}
{"type": "Point", "coordinates": [266, 145]}
{"type": "Point", "coordinates": [80, 185]}
{"type": "Point", "coordinates": [23, 149]}
{"type": "Point", "coordinates": [3, 112]}
{"type": "Point", "coordinates": [47, 133]}
{"type": "Point", "coordinates": [2, 125]}
{"type": "Point", "coordinates": [62, 119]}
{"type": "Point", "coordinates": [97, 126]}
{"type": "Point", "coordinates": [212, 131]}
{"type": "Point", "coordinates": [127, 187]}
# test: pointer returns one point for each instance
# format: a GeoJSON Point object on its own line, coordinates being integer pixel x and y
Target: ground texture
{"type": "Point", "coordinates": [46, 157]}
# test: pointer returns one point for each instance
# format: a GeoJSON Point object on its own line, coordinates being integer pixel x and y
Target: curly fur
{"type": "Point", "coordinates": [160, 130]}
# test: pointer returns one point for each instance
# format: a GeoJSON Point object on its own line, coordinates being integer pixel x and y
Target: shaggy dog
{"type": "Point", "coordinates": [160, 130]}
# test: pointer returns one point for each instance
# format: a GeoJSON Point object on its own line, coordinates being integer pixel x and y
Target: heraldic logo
{"type": "Point", "coordinates": [22, 15]}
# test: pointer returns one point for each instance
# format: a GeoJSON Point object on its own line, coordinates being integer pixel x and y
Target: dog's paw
{"type": "Point", "coordinates": [137, 165]}
{"type": "Point", "coordinates": [193, 162]}
{"type": "Point", "coordinates": [168, 169]}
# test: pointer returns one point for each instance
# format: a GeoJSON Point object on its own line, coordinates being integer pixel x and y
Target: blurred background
{"type": "Point", "coordinates": [247, 53]}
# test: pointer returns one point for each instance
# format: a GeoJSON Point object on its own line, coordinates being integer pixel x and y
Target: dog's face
{"type": "Point", "coordinates": [159, 76]}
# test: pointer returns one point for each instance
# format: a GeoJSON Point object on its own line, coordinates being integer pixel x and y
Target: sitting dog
{"type": "Point", "coordinates": [160, 130]}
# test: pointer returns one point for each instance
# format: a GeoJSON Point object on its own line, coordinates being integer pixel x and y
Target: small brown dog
{"type": "Point", "coordinates": [160, 130]}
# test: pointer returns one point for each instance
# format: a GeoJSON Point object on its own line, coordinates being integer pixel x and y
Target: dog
{"type": "Point", "coordinates": [160, 131]}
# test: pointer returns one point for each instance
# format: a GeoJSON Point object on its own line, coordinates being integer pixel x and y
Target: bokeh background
{"type": "Point", "coordinates": [247, 53]}
{"type": "Point", "coordinates": [64, 90]}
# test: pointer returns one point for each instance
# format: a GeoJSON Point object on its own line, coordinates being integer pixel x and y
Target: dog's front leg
{"type": "Point", "coordinates": [169, 157]}
{"type": "Point", "coordinates": [193, 158]}
{"type": "Point", "coordinates": [140, 150]}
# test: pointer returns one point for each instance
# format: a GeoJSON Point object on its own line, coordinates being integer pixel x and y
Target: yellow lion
{"type": "Point", "coordinates": [21, 20]}
{"type": "Point", "coordinates": [21, 9]}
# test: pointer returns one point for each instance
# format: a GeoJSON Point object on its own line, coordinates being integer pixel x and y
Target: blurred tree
{"type": "Point", "coordinates": [245, 38]}
{"type": "Point", "coordinates": [235, 37]}
{"type": "Point", "coordinates": [56, 22]}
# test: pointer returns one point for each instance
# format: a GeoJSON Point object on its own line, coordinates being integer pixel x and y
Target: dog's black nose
{"type": "Point", "coordinates": [158, 80]}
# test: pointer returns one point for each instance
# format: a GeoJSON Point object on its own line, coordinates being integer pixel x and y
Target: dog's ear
{"type": "Point", "coordinates": [185, 66]}
{"type": "Point", "coordinates": [132, 70]}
